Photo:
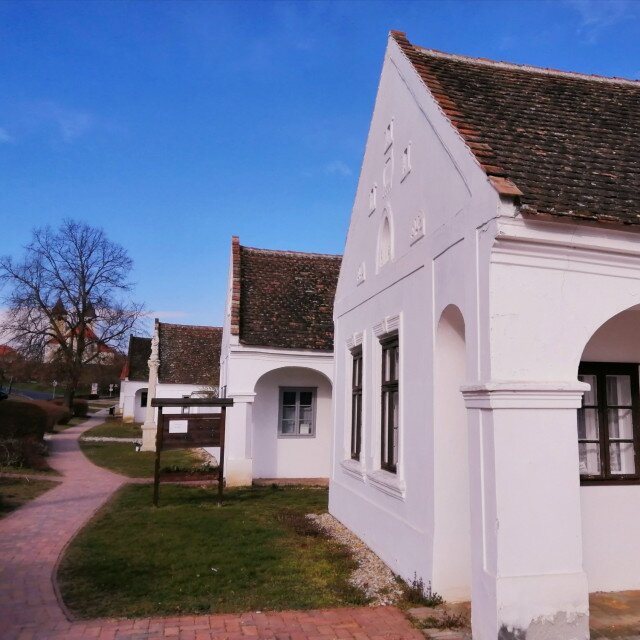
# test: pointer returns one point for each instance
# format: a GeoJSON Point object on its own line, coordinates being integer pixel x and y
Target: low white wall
{"type": "Point", "coordinates": [290, 457]}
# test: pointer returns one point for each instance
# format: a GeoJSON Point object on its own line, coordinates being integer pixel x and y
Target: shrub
{"type": "Point", "coordinates": [56, 413]}
{"type": "Point", "coordinates": [23, 452]}
{"type": "Point", "coordinates": [20, 419]}
{"type": "Point", "coordinates": [80, 408]}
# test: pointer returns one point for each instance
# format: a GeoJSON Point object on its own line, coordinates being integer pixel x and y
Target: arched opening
{"type": "Point", "coordinates": [608, 437]}
{"type": "Point", "coordinates": [292, 424]}
{"type": "Point", "coordinates": [452, 540]}
{"type": "Point", "coordinates": [385, 241]}
{"type": "Point", "coordinates": [140, 405]}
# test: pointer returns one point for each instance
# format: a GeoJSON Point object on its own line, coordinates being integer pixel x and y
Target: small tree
{"type": "Point", "coordinates": [65, 299]}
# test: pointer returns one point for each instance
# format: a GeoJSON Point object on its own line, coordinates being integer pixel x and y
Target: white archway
{"type": "Point", "coordinates": [140, 405]}
{"type": "Point", "coordinates": [452, 539]}
{"type": "Point", "coordinates": [305, 454]}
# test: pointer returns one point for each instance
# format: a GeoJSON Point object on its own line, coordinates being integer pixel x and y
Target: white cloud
{"type": "Point", "coordinates": [339, 168]}
{"type": "Point", "coordinates": [5, 138]}
{"type": "Point", "coordinates": [597, 15]}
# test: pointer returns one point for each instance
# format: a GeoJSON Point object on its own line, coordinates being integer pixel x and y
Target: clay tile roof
{"type": "Point", "coordinates": [137, 367]}
{"type": "Point", "coordinates": [284, 299]}
{"type": "Point", "coordinates": [565, 144]}
{"type": "Point", "coordinates": [189, 354]}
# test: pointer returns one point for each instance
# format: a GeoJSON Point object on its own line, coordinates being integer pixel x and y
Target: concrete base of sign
{"type": "Point", "coordinates": [148, 437]}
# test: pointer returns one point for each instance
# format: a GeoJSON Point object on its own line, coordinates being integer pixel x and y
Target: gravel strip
{"type": "Point", "coordinates": [372, 576]}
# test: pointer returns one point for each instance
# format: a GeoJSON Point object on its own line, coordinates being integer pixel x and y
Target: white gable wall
{"type": "Point", "coordinates": [438, 214]}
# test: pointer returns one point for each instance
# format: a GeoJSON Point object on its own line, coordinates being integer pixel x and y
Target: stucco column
{"type": "Point", "coordinates": [149, 427]}
{"type": "Point", "coordinates": [238, 464]}
{"type": "Point", "coordinates": [526, 532]}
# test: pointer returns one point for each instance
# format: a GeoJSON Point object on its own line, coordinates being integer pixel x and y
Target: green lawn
{"type": "Point", "coordinates": [115, 429]}
{"type": "Point", "coordinates": [123, 458]}
{"type": "Point", "coordinates": [14, 492]}
{"type": "Point", "coordinates": [257, 552]}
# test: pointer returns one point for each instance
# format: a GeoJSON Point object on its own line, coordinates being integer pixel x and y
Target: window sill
{"type": "Point", "coordinates": [388, 483]}
{"type": "Point", "coordinates": [353, 468]}
{"type": "Point", "coordinates": [601, 482]}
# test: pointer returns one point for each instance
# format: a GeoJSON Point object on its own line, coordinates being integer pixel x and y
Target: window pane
{"type": "Point", "coordinates": [396, 355]}
{"type": "Point", "coordinates": [288, 397]}
{"type": "Point", "coordinates": [619, 390]}
{"type": "Point", "coordinates": [589, 453]}
{"type": "Point", "coordinates": [305, 414]}
{"type": "Point", "coordinates": [394, 400]}
{"type": "Point", "coordinates": [385, 365]}
{"type": "Point", "coordinates": [590, 398]}
{"type": "Point", "coordinates": [306, 398]}
{"type": "Point", "coordinates": [622, 458]}
{"type": "Point", "coordinates": [288, 427]}
{"type": "Point", "coordinates": [588, 428]}
{"type": "Point", "coordinates": [620, 424]}
{"type": "Point", "coordinates": [288, 413]}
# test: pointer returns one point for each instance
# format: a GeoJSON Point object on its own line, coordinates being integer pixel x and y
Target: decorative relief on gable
{"type": "Point", "coordinates": [373, 196]}
{"type": "Point", "coordinates": [360, 276]}
{"type": "Point", "coordinates": [406, 162]}
{"type": "Point", "coordinates": [387, 176]}
{"type": "Point", "coordinates": [388, 136]}
{"type": "Point", "coordinates": [417, 229]}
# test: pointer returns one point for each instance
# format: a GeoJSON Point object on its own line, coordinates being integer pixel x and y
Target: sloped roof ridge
{"type": "Point", "coordinates": [293, 253]}
{"type": "Point", "coordinates": [526, 67]}
{"type": "Point", "coordinates": [190, 326]}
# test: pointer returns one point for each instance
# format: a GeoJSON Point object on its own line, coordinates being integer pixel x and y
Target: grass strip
{"type": "Point", "coordinates": [257, 552]}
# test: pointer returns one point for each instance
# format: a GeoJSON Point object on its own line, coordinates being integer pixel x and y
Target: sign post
{"type": "Point", "coordinates": [188, 431]}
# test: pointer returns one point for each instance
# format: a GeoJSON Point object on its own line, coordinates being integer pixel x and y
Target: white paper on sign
{"type": "Point", "coordinates": [178, 426]}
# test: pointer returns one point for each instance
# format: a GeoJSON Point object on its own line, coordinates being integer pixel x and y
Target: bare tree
{"type": "Point", "coordinates": [66, 298]}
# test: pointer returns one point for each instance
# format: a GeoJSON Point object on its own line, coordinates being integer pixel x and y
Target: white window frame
{"type": "Point", "coordinates": [298, 391]}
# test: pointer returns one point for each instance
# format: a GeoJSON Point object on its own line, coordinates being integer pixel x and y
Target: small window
{"type": "Point", "coordinates": [608, 423]}
{"type": "Point", "coordinates": [297, 412]}
{"type": "Point", "coordinates": [143, 398]}
{"type": "Point", "coordinates": [185, 409]}
{"type": "Point", "coordinates": [390, 406]}
{"type": "Point", "coordinates": [356, 403]}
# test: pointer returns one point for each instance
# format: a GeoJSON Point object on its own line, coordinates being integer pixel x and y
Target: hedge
{"type": "Point", "coordinates": [80, 407]}
{"type": "Point", "coordinates": [20, 419]}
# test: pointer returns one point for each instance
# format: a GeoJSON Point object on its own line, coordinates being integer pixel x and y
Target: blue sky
{"type": "Point", "coordinates": [174, 125]}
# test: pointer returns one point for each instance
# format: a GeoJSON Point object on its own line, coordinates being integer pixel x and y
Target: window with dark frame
{"type": "Point", "coordinates": [389, 433]}
{"type": "Point", "coordinates": [356, 403]}
{"type": "Point", "coordinates": [297, 412]}
{"type": "Point", "coordinates": [608, 425]}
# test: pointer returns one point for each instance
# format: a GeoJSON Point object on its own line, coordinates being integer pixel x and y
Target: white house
{"type": "Point", "coordinates": [180, 361]}
{"type": "Point", "coordinates": [487, 342]}
{"type": "Point", "coordinates": [134, 380]}
{"type": "Point", "coordinates": [277, 363]}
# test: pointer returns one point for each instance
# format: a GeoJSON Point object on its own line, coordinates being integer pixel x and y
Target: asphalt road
{"type": "Point", "coordinates": [34, 395]}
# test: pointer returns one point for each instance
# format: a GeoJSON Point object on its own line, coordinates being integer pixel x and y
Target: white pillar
{"type": "Point", "coordinates": [527, 575]}
{"type": "Point", "coordinates": [238, 465]}
{"type": "Point", "coordinates": [149, 427]}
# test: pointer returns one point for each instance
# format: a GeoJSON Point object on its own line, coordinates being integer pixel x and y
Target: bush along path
{"type": "Point", "coordinates": [33, 538]}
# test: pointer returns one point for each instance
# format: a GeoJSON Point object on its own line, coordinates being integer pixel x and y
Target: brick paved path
{"type": "Point", "coordinates": [33, 537]}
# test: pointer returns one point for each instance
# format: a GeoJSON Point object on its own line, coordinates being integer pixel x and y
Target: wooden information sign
{"type": "Point", "coordinates": [190, 431]}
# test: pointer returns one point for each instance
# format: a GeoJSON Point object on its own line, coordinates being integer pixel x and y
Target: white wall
{"type": "Point", "coordinates": [128, 390]}
{"type": "Point", "coordinates": [290, 457]}
{"type": "Point", "coordinates": [438, 214]}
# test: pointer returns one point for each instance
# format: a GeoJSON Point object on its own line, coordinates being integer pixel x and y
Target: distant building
{"type": "Point", "coordinates": [277, 363]}
{"type": "Point", "coordinates": [96, 350]}
{"type": "Point", "coordinates": [183, 362]}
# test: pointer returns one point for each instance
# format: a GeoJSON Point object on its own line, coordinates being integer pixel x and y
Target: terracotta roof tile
{"type": "Point", "coordinates": [286, 298]}
{"type": "Point", "coordinates": [189, 354]}
{"type": "Point", "coordinates": [568, 143]}
{"type": "Point", "coordinates": [137, 367]}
